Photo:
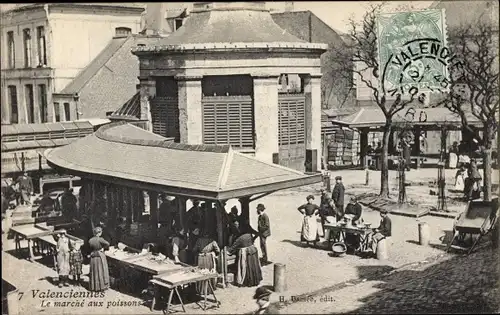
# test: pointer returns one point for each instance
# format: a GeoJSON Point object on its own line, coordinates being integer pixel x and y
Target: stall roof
{"type": "Point", "coordinates": [17, 129]}
{"type": "Point", "coordinates": [131, 156]}
{"type": "Point", "coordinates": [373, 117]}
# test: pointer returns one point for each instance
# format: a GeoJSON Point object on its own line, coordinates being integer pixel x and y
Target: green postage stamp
{"type": "Point", "coordinates": [412, 51]}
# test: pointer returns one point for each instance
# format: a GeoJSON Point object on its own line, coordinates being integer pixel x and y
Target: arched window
{"type": "Point", "coordinates": [123, 31]}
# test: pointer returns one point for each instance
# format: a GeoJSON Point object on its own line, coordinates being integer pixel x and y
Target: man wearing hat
{"type": "Point", "coordinates": [261, 297]}
{"type": "Point", "coordinates": [338, 196]}
{"type": "Point", "coordinates": [264, 229]}
{"type": "Point", "coordinates": [383, 231]}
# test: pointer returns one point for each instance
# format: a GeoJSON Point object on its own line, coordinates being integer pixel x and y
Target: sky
{"type": "Point", "coordinates": [337, 13]}
{"type": "Point", "coordinates": [333, 13]}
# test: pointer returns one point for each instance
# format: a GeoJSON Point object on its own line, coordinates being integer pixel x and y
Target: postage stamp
{"type": "Point", "coordinates": [412, 50]}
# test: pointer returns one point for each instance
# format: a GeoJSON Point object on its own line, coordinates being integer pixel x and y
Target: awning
{"type": "Point", "coordinates": [130, 156]}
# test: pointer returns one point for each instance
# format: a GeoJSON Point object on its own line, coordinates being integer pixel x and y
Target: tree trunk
{"type": "Point", "coordinates": [487, 160]}
{"type": "Point", "coordinates": [384, 160]}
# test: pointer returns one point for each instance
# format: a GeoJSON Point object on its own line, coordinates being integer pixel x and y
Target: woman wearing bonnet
{"type": "Point", "coordinates": [99, 272]}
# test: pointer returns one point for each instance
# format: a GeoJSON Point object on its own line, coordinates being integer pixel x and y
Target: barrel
{"type": "Point", "coordinates": [382, 252]}
{"type": "Point", "coordinates": [423, 234]}
{"type": "Point", "coordinates": [279, 277]}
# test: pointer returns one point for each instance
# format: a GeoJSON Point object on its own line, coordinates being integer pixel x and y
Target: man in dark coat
{"type": "Point", "coordinates": [354, 209]}
{"type": "Point", "coordinates": [383, 231]}
{"type": "Point", "coordinates": [338, 196]}
{"type": "Point", "coordinates": [25, 188]}
{"type": "Point", "coordinates": [264, 231]}
{"type": "Point", "coordinates": [68, 203]}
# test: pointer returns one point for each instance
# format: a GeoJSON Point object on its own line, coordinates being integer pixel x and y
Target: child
{"type": "Point", "coordinates": [75, 261]}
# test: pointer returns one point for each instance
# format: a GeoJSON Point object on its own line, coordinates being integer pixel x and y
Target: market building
{"type": "Point", "coordinates": [220, 87]}
{"type": "Point", "coordinates": [117, 185]}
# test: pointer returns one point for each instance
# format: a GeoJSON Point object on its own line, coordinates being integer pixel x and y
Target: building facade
{"type": "Point", "coordinates": [222, 86]}
{"type": "Point", "coordinates": [45, 46]}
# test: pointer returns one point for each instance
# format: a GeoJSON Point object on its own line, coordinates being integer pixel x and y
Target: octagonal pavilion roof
{"type": "Point", "coordinates": [215, 25]}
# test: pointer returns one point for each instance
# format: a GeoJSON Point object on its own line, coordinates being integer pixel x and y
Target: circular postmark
{"type": "Point", "coordinates": [413, 53]}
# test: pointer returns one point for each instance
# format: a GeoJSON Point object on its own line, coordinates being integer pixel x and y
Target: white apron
{"type": "Point", "coordinates": [309, 228]}
{"type": "Point", "coordinates": [452, 161]}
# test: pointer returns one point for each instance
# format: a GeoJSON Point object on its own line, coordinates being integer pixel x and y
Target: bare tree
{"type": "Point", "coordinates": [474, 87]}
{"type": "Point", "coordinates": [360, 58]}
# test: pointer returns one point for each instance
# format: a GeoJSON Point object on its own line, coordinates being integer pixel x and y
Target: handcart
{"type": "Point", "coordinates": [479, 219]}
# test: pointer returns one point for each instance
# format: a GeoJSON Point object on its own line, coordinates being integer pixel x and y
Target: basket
{"type": "Point", "coordinates": [339, 249]}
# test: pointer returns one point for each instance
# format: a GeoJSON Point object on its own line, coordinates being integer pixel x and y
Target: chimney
{"type": "Point", "coordinates": [155, 20]}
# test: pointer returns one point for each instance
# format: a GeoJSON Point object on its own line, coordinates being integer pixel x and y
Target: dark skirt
{"type": "Point", "coordinates": [99, 272]}
{"type": "Point", "coordinates": [253, 274]}
{"type": "Point", "coordinates": [205, 261]}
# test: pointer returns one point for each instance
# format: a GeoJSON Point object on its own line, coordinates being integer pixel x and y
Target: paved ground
{"type": "Point", "coordinates": [309, 270]}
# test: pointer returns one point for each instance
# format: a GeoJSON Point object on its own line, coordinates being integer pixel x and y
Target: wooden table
{"type": "Point", "coordinates": [343, 229]}
{"type": "Point", "coordinates": [143, 264]}
{"type": "Point", "coordinates": [48, 245]}
{"type": "Point", "coordinates": [27, 232]}
{"type": "Point", "coordinates": [173, 281]}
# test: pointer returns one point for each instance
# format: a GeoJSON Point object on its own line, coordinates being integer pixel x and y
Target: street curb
{"type": "Point", "coordinates": [443, 214]}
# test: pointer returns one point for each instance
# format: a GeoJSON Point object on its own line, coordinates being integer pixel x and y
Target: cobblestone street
{"type": "Point", "coordinates": [313, 271]}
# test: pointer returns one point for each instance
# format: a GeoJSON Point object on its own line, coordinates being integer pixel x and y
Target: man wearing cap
{"type": "Point", "coordinates": [338, 196]}
{"type": "Point", "coordinates": [383, 231]}
{"type": "Point", "coordinates": [264, 230]}
{"type": "Point", "coordinates": [261, 297]}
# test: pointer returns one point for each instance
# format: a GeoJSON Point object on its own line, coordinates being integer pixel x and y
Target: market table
{"type": "Point", "coordinates": [140, 262]}
{"type": "Point", "coordinates": [173, 280]}
{"type": "Point", "coordinates": [343, 229]}
{"type": "Point", "coordinates": [47, 244]}
{"type": "Point", "coordinates": [27, 232]}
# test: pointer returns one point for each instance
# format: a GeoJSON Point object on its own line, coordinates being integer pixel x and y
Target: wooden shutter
{"type": "Point", "coordinates": [291, 118]}
{"type": "Point", "coordinates": [165, 117]}
{"type": "Point", "coordinates": [228, 120]}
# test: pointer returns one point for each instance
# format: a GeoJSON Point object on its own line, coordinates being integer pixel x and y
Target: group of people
{"type": "Point", "coordinates": [70, 260]}
{"type": "Point", "coordinates": [468, 180]}
{"type": "Point", "coordinates": [19, 191]}
{"type": "Point", "coordinates": [198, 239]}
{"type": "Point", "coordinates": [330, 211]}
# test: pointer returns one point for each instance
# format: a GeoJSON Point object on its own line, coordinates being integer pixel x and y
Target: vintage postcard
{"type": "Point", "coordinates": [250, 157]}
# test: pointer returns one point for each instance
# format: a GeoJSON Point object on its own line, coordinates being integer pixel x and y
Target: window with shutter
{"type": "Point", "coordinates": [165, 117]}
{"type": "Point", "coordinates": [291, 118]}
{"type": "Point", "coordinates": [228, 120]}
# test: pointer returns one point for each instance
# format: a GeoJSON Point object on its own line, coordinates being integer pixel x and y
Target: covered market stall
{"type": "Point", "coordinates": [124, 169]}
{"type": "Point", "coordinates": [437, 128]}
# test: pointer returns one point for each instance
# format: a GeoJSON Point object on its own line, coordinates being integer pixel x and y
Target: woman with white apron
{"type": "Point", "coordinates": [309, 224]}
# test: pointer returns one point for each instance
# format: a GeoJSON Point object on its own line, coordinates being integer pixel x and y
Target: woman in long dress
{"type": "Point", "coordinates": [249, 272]}
{"type": "Point", "coordinates": [206, 250]}
{"type": "Point", "coordinates": [99, 272]}
{"type": "Point", "coordinates": [62, 249]}
{"type": "Point", "coordinates": [309, 224]}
